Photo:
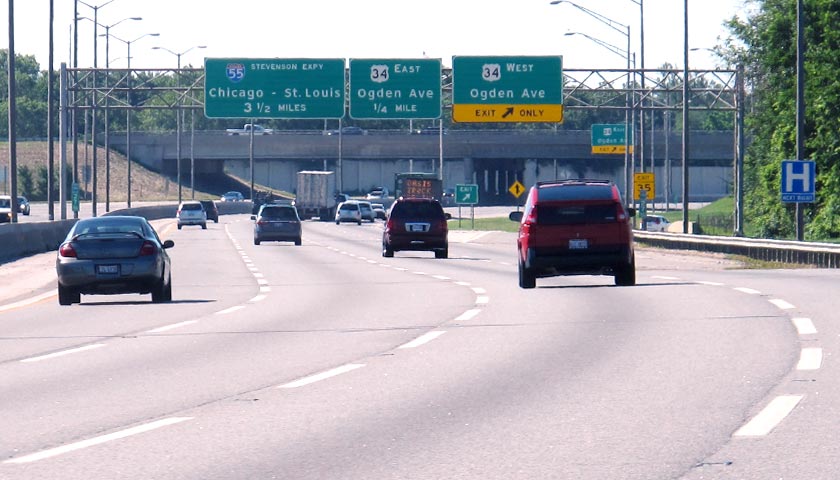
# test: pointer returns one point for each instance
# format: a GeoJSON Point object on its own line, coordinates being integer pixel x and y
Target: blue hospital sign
{"type": "Point", "coordinates": [798, 181]}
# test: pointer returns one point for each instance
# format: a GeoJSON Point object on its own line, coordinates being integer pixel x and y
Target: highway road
{"type": "Point", "coordinates": [328, 361]}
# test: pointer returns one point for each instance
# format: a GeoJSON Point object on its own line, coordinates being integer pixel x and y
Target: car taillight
{"type": "Point", "coordinates": [621, 215]}
{"type": "Point", "coordinates": [67, 251]}
{"type": "Point", "coordinates": [148, 248]}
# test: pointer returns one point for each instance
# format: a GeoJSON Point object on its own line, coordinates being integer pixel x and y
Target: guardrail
{"type": "Point", "coordinates": [825, 255]}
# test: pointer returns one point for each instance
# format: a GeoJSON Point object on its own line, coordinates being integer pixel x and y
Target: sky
{"type": "Point", "coordinates": [368, 29]}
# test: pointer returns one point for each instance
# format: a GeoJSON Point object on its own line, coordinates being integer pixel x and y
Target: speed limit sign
{"type": "Point", "coordinates": [644, 181]}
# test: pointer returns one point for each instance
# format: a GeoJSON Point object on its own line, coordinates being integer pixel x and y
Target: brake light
{"type": "Point", "coordinates": [67, 251]}
{"type": "Point", "coordinates": [621, 215]}
{"type": "Point", "coordinates": [148, 248]}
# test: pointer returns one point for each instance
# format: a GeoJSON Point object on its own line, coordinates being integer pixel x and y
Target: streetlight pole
{"type": "Point", "coordinates": [128, 110]}
{"type": "Point", "coordinates": [178, 126]}
{"type": "Point", "coordinates": [107, 36]}
{"type": "Point", "coordinates": [93, 97]}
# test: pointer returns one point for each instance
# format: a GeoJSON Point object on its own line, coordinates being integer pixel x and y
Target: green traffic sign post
{"type": "Point", "coordinates": [466, 194]}
{"type": "Point", "coordinates": [395, 88]}
{"type": "Point", "coordinates": [507, 89]}
{"type": "Point", "coordinates": [296, 88]}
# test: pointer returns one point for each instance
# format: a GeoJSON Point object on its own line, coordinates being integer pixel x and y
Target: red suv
{"type": "Point", "coordinates": [575, 227]}
{"type": "Point", "coordinates": [416, 224]}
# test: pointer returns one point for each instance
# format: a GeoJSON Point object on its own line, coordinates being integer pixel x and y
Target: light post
{"type": "Point", "coordinates": [628, 129]}
{"type": "Point", "coordinates": [178, 126]}
{"type": "Point", "coordinates": [128, 110]}
{"type": "Point", "coordinates": [108, 36]}
{"type": "Point", "coordinates": [93, 94]}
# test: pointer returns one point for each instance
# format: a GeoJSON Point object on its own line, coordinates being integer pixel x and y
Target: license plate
{"type": "Point", "coordinates": [108, 269]}
{"type": "Point", "coordinates": [416, 227]}
{"type": "Point", "coordinates": [578, 244]}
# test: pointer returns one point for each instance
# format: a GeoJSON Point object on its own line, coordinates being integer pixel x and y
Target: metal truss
{"type": "Point", "coordinates": [583, 89]}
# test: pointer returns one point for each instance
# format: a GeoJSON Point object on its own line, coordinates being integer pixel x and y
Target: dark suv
{"type": "Point", "coordinates": [575, 227]}
{"type": "Point", "coordinates": [416, 224]}
{"type": "Point", "coordinates": [211, 209]}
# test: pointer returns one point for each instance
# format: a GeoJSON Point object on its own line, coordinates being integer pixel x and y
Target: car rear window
{"type": "Point", "coordinates": [278, 213]}
{"type": "Point", "coordinates": [575, 192]}
{"type": "Point", "coordinates": [191, 206]}
{"type": "Point", "coordinates": [576, 214]}
{"type": "Point", "coordinates": [350, 206]}
{"type": "Point", "coordinates": [418, 210]}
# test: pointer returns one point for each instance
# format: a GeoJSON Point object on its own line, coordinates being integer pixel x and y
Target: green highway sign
{"type": "Point", "coordinates": [466, 194]}
{"type": "Point", "coordinates": [507, 89]}
{"type": "Point", "coordinates": [273, 88]}
{"type": "Point", "coordinates": [395, 88]}
{"type": "Point", "coordinates": [609, 138]}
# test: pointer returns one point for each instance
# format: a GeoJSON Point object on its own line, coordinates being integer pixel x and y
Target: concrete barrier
{"type": "Point", "coordinates": [23, 239]}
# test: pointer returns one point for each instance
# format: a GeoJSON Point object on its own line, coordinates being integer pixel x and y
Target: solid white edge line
{"type": "Point", "coordinates": [664, 277]}
{"type": "Point", "coordinates": [778, 302]}
{"type": "Point", "coordinates": [713, 284]}
{"type": "Point", "coordinates": [468, 315]}
{"type": "Point", "coordinates": [29, 301]}
{"type": "Point", "coordinates": [98, 440]}
{"type": "Point", "coordinates": [172, 326]}
{"type": "Point", "coordinates": [62, 353]}
{"type": "Point", "coordinates": [322, 376]}
{"type": "Point", "coordinates": [769, 417]}
{"type": "Point", "coordinates": [804, 326]}
{"type": "Point", "coordinates": [810, 359]}
{"type": "Point", "coordinates": [230, 310]}
{"type": "Point", "coordinates": [422, 339]}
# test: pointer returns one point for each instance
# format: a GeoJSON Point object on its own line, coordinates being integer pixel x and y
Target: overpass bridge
{"type": "Point", "coordinates": [493, 159]}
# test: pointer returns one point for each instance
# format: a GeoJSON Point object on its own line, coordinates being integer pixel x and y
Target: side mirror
{"type": "Point", "coordinates": [448, 215]}
{"type": "Point", "coordinates": [515, 216]}
{"type": "Point", "coordinates": [253, 217]}
{"type": "Point", "coordinates": [168, 244]}
{"type": "Point", "coordinates": [631, 211]}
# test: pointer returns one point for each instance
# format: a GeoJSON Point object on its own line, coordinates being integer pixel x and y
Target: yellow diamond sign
{"type": "Point", "coordinates": [517, 189]}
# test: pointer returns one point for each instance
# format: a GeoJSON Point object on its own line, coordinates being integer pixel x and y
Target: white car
{"type": "Point", "coordinates": [348, 212]}
{"type": "Point", "coordinates": [377, 193]}
{"type": "Point", "coordinates": [366, 210]}
{"type": "Point", "coordinates": [655, 223]}
{"type": "Point", "coordinates": [5, 208]}
{"type": "Point", "coordinates": [192, 213]}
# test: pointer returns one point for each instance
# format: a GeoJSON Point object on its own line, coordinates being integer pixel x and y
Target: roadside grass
{"type": "Point", "coordinates": [499, 224]}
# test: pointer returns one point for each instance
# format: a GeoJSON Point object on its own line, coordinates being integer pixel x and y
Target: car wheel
{"type": "Point", "coordinates": [625, 276]}
{"type": "Point", "coordinates": [159, 292]}
{"type": "Point", "coordinates": [298, 241]}
{"type": "Point", "coordinates": [167, 291]}
{"type": "Point", "coordinates": [256, 241]}
{"type": "Point", "coordinates": [179, 226]}
{"type": "Point", "coordinates": [359, 222]}
{"type": "Point", "coordinates": [527, 279]}
{"type": "Point", "coordinates": [337, 222]}
{"type": "Point", "coordinates": [442, 253]}
{"type": "Point", "coordinates": [204, 226]}
{"type": "Point", "coordinates": [66, 296]}
{"type": "Point", "coordinates": [387, 252]}
{"type": "Point", "coordinates": [215, 220]}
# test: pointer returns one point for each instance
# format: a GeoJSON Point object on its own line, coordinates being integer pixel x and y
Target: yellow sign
{"type": "Point", "coordinates": [611, 149]}
{"type": "Point", "coordinates": [517, 189]}
{"type": "Point", "coordinates": [644, 181]}
{"type": "Point", "coordinates": [478, 112]}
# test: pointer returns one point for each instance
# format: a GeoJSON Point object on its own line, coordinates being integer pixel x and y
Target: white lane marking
{"type": "Point", "coordinates": [230, 310]}
{"type": "Point", "coordinates": [265, 289]}
{"type": "Point", "coordinates": [258, 298]}
{"type": "Point", "coordinates": [52, 452]}
{"type": "Point", "coordinates": [804, 326]}
{"type": "Point", "coordinates": [770, 417]}
{"type": "Point", "coordinates": [371, 261]}
{"type": "Point", "coordinates": [749, 291]}
{"type": "Point", "coordinates": [663, 277]}
{"type": "Point", "coordinates": [28, 301]}
{"type": "Point", "coordinates": [323, 375]}
{"type": "Point", "coordinates": [172, 326]}
{"type": "Point", "coordinates": [713, 284]}
{"type": "Point", "coordinates": [463, 284]}
{"type": "Point", "coordinates": [441, 277]}
{"type": "Point", "coordinates": [422, 339]}
{"type": "Point", "coordinates": [400, 269]}
{"type": "Point", "coordinates": [262, 281]}
{"type": "Point", "coordinates": [419, 273]}
{"type": "Point", "coordinates": [479, 290]}
{"type": "Point", "coordinates": [62, 353]}
{"type": "Point", "coordinates": [810, 359]}
{"type": "Point", "coordinates": [782, 304]}
{"type": "Point", "coordinates": [468, 314]}
{"type": "Point", "coordinates": [482, 300]}
{"type": "Point", "coordinates": [258, 275]}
